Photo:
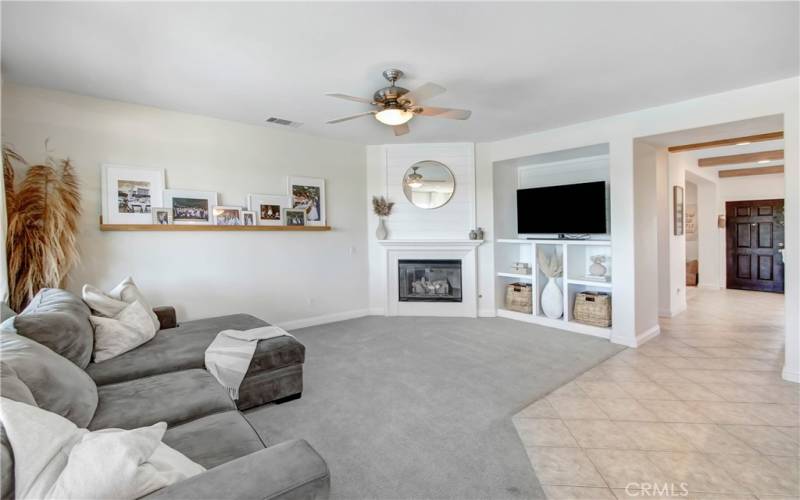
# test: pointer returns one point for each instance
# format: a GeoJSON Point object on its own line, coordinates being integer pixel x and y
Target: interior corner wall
{"type": "Point", "coordinates": [292, 279]}
{"type": "Point", "coordinates": [484, 203]}
{"type": "Point", "coordinates": [677, 243]}
{"type": "Point", "coordinates": [645, 210]}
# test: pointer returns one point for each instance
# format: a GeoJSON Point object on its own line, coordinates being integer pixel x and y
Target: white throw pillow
{"type": "Point", "coordinates": [130, 328]}
{"type": "Point", "coordinates": [108, 304]}
{"type": "Point", "coordinates": [55, 459]}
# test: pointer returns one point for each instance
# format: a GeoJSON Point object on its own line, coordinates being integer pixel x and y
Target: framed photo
{"type": "Point", "coordinates": [227, 216]}
{"type": "Point", "coordinates": [295, 216]}
{"type": "Point", "coordinates": [268, 208]}
{"type": "Point", "coordinates": [308, 193]}
{"type": "Point", "coordinates": [129, 193]}
{"type": "Point", "coordinates": [248, 218]}
{"type": "Point", "coordinates": [677, 210]}
{"type": "Point", "coordinates": [190, 207]}
{"type": "Point", "coordinates": [162, 216]}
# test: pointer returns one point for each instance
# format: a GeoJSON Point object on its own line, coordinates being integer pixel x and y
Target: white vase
{"type": "Point", "coordinates": [381, 233]}
{"type": "Point", "coordinates": [552, 299]}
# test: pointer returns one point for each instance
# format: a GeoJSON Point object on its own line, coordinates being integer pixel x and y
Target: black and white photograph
{"type": "Point", "coordinates": [227, 216]}
{"type": "Point", "coordinates": [133, 197]}
{"type": "Point", "coordinates": [308, 193]}
{"type": "Point", "coordinates": [129, 193]}
{"type": "Point", "coordinates": [191, 207]}
{"type": "Point", "coordinates": [268, 208]}
{"type": "Point", "coordinates": [162, 216]}
{"type": "Point", "coordinates": [294, 216]}
{"type": "Point", "coordinates": [248, 218]}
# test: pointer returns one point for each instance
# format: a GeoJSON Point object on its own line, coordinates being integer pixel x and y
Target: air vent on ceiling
{"type": "Point", "coordinates": [281, 121]}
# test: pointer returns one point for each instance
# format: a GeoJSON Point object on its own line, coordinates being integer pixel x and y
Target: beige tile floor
{"type": "Point", "coordinates": [701, 408]}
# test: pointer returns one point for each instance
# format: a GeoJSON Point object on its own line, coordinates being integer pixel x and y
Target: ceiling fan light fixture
{"type": "Point", "coordinates": [394, 116]}
{"type": "Point", "coordinates": [414, 180]}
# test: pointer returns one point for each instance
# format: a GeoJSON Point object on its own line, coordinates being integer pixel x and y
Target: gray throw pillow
{"type": "Point", "coordinates": [59, 320]}
{"type": "Point", "coordinates": [54, 383]}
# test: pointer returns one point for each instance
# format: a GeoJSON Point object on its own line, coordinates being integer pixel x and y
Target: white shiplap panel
{"type": "Point", "coordinates": [453, 220]}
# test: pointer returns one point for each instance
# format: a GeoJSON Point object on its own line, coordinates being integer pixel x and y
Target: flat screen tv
{"type": "Point", "coordinates": [568, 209]}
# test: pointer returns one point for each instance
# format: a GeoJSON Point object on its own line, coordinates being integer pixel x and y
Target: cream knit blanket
{"type": "Point", "coordinates": [228, 356]}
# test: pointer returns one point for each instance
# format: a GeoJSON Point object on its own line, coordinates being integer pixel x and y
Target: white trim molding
{"type": "Point", "coordinates": [324, 319]}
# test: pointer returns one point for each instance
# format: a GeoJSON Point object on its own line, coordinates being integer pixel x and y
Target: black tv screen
{"type": "Point", "coordinates": [567, 209]}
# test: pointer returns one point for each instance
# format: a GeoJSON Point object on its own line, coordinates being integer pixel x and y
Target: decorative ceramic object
{"type": "Point", "coordinates": [381, 233]}
{"type": "Point", "coordinates": [480, 233]}
{"type": "Point", "coordinates": [473, 235]}
{"type": "Point", "coordinates": [552, 299]}
{"type": "Point", "coordinates": [597, 268]}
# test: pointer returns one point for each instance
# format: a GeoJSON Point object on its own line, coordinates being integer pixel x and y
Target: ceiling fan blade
{"type": "Point", "coordinates": [401, 129]}
{"type": "Point", "coordinates": [350, 97]}
{"type": "Point", "coordinates": [423, 92]}
{"type": "Point", "coordinates": [453, 114]}
{"type": "Point", "coordinates": [351, 117]}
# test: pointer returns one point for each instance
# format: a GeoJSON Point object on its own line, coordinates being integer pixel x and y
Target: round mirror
{"type": "Point", "coordinates": [429, 184]}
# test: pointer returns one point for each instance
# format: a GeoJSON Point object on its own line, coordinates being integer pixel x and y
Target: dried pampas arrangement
{"type": "Point", "coordinates": [43, 213]}
{"type": "Point", "coordinates": [550, 264]}
{"type": "Point", "coordinates": [381, 206]}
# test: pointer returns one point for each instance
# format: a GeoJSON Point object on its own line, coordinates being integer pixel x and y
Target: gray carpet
{"type": "Point", "coordinates": [421, 407]}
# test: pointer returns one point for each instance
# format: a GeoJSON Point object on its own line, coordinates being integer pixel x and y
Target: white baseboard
{"type": "Point", "coordinates": [648, 334]}
{"type": "Point", "coordinates": [708, 287]}
{"type": "Point", "coordinates": [791, 376]}
{"type": "Point", "coordinates": [377, 311]}
{"type": "Point", "coordinates": [321, 320]}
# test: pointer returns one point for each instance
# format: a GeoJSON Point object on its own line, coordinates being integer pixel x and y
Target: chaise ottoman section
{"type": "Point", "coordinates": [183, 348]}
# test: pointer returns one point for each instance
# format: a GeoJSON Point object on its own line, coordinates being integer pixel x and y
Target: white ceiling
{"type": "Point", "coordinates": [520, 67]}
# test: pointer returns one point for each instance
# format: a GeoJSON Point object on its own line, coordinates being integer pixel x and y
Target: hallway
{"type": "Point", "coordinates": [701, 408]}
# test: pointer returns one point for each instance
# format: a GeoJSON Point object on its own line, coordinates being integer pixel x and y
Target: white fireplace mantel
{"type": "Point", "coordinates": [460, 249]}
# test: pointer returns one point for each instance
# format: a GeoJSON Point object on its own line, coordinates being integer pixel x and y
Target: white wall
{"type": "Point", "coordinates": [780, 97]}
{"type": "Point", "coordinates": [645, 159]}
{"type": "Point", "coordinates": [757, 187]}
{"type": "Point", "coordinates": [288, 278]}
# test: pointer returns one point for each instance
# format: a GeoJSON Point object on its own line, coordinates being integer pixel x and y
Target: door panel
{"type": "Point", "coordinates": [743, 235]}
{"type": "Point", "coordinates": [765, 235]}
{"type": "Point", "coordinates": [754, 237]}
{"type": "Point", "coordinates": [743, 267]}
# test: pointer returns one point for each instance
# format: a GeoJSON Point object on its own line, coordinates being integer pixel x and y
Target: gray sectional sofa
{"type": "Point", "coordinates": [47, 363]}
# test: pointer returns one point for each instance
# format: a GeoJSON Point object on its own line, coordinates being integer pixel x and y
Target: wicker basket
{"type": "Point", "coordinates": [519, 297]}
{"type": "Point", "coordinates": [593, 309]}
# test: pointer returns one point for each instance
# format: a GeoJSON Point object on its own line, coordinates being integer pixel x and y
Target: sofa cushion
{"type": "Point", "coordinates": [55, 383]}
{"type": "Point", "coordinates": [171, 397]}
{"type": "Point", "coordinates": [214, 439]}
{"type": "Point", "coordinates": [59, 320]}
{"type": "Point", "coordinates": [184, 348]}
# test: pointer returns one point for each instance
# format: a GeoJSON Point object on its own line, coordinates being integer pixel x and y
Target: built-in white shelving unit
{"type": "Point", "coordinates": [576, 258]}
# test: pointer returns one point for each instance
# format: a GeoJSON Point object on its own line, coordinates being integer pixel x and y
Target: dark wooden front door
{"type": "Point", "coordinates": [754, 240]}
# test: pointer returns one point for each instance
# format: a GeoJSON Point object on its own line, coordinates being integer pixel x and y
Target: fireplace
{"type": "Point", "coordinates": [429, 280]}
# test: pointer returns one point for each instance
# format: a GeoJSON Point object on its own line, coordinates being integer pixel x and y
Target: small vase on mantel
{"type": "Point", "coordinates": [552, 299]}
{"type": "Point", "coordinates": [381, 233]}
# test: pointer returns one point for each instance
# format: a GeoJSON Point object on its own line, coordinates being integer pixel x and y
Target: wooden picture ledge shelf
{"type": "Point", "coordinates": [204, 227]}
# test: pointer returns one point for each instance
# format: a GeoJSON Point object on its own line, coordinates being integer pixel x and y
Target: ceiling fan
{"type": "Point", "coordinates": [395, 106]}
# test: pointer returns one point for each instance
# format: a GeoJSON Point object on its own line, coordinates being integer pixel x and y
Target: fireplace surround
{"type": "Point", "coordinates": [429, 280]}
